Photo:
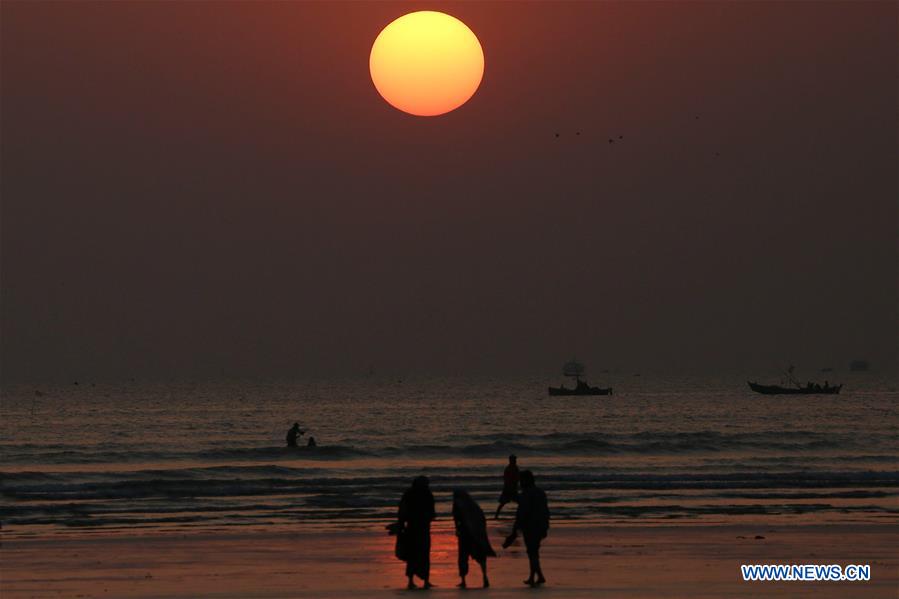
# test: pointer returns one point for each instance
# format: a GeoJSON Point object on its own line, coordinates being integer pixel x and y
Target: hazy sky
{"type": "Point", "coordinates": [198, 188]}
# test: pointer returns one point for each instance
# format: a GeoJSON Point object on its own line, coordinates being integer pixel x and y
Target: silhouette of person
{"type": "Point", "coordinates": [293, 433]}
{"type": "Point", "coordinates": [471, 530]}
{"type": "Point", "coordinates": [414, 522]}
{"type": "Point", "coordinates": [311, 442]}
{"type": "Point", "coordinates": [532, 519]}
{"type": "Point", "coordinates": [510, 485]}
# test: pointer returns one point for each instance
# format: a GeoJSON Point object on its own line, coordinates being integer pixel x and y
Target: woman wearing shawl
{"type": "Point", "coordinates": [471, 528]}
{"type": "Point", "coordinates": [414, 527]}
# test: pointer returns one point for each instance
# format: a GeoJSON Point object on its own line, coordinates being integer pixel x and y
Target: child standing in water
{"type": "Point", "coordinates": [510, 485]}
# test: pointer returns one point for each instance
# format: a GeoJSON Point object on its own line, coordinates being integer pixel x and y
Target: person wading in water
{"type": "Point", "coordinates": [293, 433]}
{"type": "Point", "coordinates": [510, 485]}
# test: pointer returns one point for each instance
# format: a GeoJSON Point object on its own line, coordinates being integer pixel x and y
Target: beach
{"type": "Point", "coordinates": [281, 277]}
{"type": "Point", "coordinates": [579, 560]}
{"type": "Point", "coordinates": [663, 490]}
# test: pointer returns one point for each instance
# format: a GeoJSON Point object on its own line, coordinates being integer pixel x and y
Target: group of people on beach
{"type": "Point", "coordinates": [416, 512]}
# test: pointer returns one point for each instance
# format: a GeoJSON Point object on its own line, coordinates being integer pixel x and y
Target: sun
{"type": "Point", "coordinates": [426, 63]}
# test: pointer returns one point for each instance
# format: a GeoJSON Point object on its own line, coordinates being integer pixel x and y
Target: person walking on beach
{"type": "Point", "coordinates": [532, 519]}
{"type": "Point", "coordinates": [293, 433]}
{"type": "Point", "coordinates": [510, 485]}
{"type": "Point", "coordinates": [414, 527]}
{"type": "Point", "coordinates": [471, 530]}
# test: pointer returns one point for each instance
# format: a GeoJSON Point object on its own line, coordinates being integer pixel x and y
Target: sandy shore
{"type": "Point", "coordinates": [580, 561]}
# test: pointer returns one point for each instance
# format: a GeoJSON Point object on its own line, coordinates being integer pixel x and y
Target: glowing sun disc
{"type": "Point", "coordinates": [426, 63]}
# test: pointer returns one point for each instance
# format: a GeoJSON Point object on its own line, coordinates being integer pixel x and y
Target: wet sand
{"type": "Point", "coordinates": [580, 560]}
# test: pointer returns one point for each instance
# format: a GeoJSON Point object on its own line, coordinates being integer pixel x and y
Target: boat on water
{"type": "Point", "coordinates": [809, 389]}
{"type": "Point", "coordinates": [790, 386]}
{"type": "Point", "coordinates": [575, 370]}
{"type": "Point", "coordinates": [581, 388]}
{"type": "Point", "coordinates": [859, 366]}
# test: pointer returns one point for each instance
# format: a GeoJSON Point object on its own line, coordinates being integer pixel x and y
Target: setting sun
{"type": "Point", "coordinates": [426, 63]}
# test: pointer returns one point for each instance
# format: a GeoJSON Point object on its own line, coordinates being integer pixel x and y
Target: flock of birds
{"type": "Point", "coordinates": [611, 139]}
{"type": "Point", "coordinates": [619, 138]}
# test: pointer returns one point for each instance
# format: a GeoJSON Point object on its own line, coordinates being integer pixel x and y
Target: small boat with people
{"type": "Point", "coordinates": [808, 389]}
{"type": "Point", "coordinates": [790, 386]}
{"type": "Point", "coordinates": [575, 370]}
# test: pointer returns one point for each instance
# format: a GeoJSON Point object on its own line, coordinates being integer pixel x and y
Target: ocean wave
{"type": "Point", "coordinates": [549, 444]}
{"type": "Point", "coordinates": [91, 455]}
{"type": "Point", "coordinates": [278, 480]}
{"type": "Point", "coordinates": [259, 493]}
{"type": "Point", "coordinates": [348, 511]}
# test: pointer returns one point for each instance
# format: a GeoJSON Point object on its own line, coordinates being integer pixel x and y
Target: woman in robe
{"type": "Point", "coordinates": [414, 523]}
{"type": "Point", "coordinates": [471, 529]}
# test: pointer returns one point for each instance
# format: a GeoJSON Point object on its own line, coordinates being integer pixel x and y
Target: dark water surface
{"type": "Point", "coordinates": [659, 450]}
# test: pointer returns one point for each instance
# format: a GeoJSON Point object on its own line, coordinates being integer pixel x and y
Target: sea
{"type": "Point", "coordinates": [188, 456]}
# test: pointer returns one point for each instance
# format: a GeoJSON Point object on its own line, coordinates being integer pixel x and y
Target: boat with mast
{"type": "Point", "coordinates": [575, 370]}
{"type": "Point", "coordinates": [790, 386]}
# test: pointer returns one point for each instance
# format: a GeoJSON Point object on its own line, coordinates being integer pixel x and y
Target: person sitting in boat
{"type": "Point", "coordinates": [293, 433]}
{"type": "Point", "coordinates": [311, 442]}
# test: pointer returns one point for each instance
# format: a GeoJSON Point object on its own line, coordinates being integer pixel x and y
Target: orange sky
{"type": "Point", "coordinates": [207, 187]}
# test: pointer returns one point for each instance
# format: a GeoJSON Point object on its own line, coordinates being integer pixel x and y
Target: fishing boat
{"type": "Point", "coordinates": [575, 370]}
{"type": "Point", "coordinates": [810, 389]}
{"type": "Point", "coordinates": [790, 386]}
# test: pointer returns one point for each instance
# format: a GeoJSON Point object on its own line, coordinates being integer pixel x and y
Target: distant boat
{"type": "Point", "coordinates": [859, 366]}
{"type": "Point", "coordinates": [575, 370]}
{"type": "Point", "coordinates": [810, 389]}
{"type": "Point", "coordinates": [581, 388]}
{"type": "Point", "coordinates": [790, 386]}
